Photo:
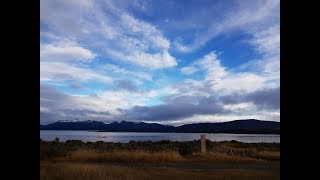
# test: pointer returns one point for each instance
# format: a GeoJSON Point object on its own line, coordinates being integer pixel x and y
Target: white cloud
{"type": "Point", "coordinates": [189, 70]}
{"type": "Point", "coordinates": [126, 73]}
{"type": "Point", "coordinates": [43, 109]}
{"type": "Point", "coordinates": [267, 41]}
{"type": "Point", "coordinates": [152, 61]}
{"type": "Point", "coordinates": [64, 51]}
{"type": "Point", "coordinates": [64, 16]}
{"type": "Point", "coordinates": [226, 81]}
{"type": "Point", "coordinates": [58, 71]}
{"type": "Point", "coordinates": [239, 106]}
{"type": "Point", "coordinates": [240, 82]}
{"type": "Point", "coordinates": [110, 31]}
{"type": "Point", "coordinates": [212, 65]}
{"type": "Point", "coordinates": [149, 32]}
{"type": "Point", "coordinates": [50, 36]}
{"type": "Point", "coordinates": [108, 102]}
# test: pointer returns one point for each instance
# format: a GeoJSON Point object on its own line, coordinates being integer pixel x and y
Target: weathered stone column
{"type": "Point", "coordinates": [203, 144]}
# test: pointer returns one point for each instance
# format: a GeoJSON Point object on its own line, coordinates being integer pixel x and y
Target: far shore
{"type": "Point", "coordinates": [276, 133]}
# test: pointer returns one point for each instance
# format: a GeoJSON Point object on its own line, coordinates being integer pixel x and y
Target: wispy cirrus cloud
{"type": "Point", "coordinates": [219, 78]}
{"type": "Point", "coordinates": [238, 17]}
{"type": "Point", "coordinates": [125, 73]}
{"type": "Point", "coordinates": [267, 43]}
{"type": "Point", "coordinates": [115, 33]}
{"type": "Point", "coordinates": [188, 70]}
{"type": "Point", "coordinates": [58, 71]}
{"type": "Point", "coordinates": [66, 50]}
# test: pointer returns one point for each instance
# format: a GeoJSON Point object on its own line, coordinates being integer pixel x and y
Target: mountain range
{"type": "Point", "coordinates": [248, 126]}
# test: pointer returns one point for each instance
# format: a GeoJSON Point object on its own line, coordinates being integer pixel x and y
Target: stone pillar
{"type": "Point", "coordinates": [203, 144]}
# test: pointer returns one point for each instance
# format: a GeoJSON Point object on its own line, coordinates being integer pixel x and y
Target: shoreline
{"type": "Point", "coordinates": [251, 133]}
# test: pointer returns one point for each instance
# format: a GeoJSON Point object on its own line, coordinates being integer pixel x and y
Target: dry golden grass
{"type": "Point", "coordinates": [251, 153]}
{"type": "Point", "coordinates": [84, 165]}
{"type": "Point", "coordinates": [267, 155]}
{"type": "Point", "coordinates": [220, 157]}
{"type": "Point", "coordinates": [218, 164]}
{"type": "Point", "coordinates": [79, 171]}
{"type": "Point", "coordinates": [168, 156]}
{"type": "Point", "coordinates": [125, 156]}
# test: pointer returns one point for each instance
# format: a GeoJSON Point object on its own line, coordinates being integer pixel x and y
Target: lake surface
{"type": "Point", "coordinates": [123, 137]}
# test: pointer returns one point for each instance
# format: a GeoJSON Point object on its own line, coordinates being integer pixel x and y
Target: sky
{"type": "Point", "coordinates": [171, 62]}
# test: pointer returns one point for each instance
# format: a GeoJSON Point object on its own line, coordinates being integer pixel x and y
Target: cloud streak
{"type": "Point", "coordinates": [64, 51]}
{"type": "Point", "coordinates": [58, 71]}
{"type": "Point", "coordinates": [238, 17]}
{"type": "Point", "coordinates": [115, 33]}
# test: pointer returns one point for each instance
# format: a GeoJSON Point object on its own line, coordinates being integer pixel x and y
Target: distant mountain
{"type": "Point", "coordinates": [249, 126]}
{"type": "Point", "coordinates": [74, 125]}
{"type": "Point", "coordinates": [125, 126]}
{"type": "Point", "coordinates": [122, 126]}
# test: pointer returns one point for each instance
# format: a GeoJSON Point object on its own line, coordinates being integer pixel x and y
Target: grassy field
{"type": "Point", "coordinates": [125, 156]}
{"type": "Point", "coordinates": [85, 171]}
{"type": "Point", "coordinates": [174, 160]}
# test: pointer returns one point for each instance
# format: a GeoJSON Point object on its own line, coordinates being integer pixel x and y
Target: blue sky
{"type": "Point", "coordinates": [170, 62]}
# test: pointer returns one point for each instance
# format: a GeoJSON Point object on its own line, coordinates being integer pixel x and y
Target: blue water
{"type": "Point", "coordinates": [91, 136]}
